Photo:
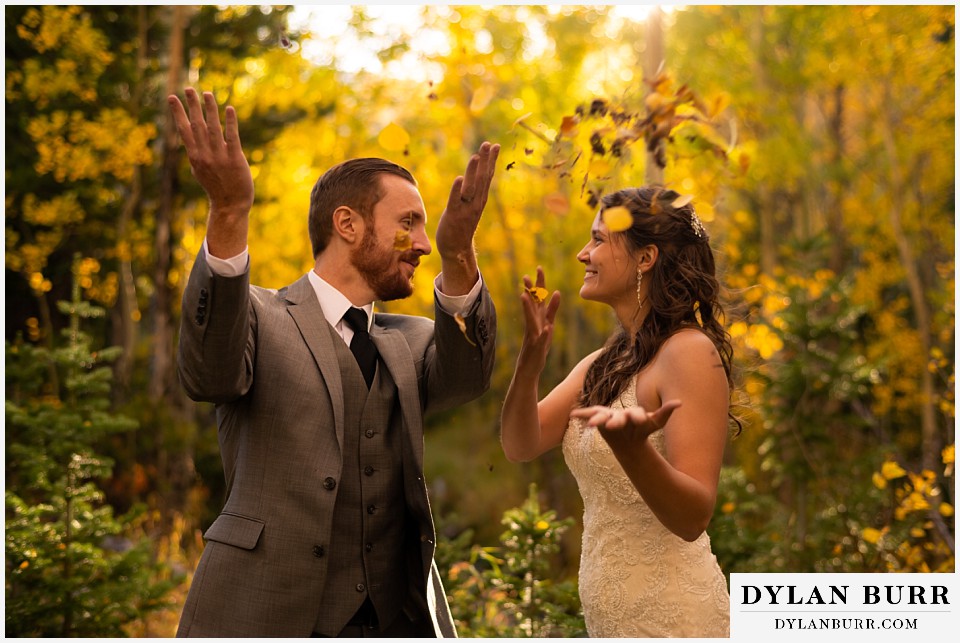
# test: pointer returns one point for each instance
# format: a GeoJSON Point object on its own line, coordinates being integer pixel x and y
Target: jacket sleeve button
{"type": "Point", "coordinates": [329, 483]}
{"type": "Point", "coordinates": [318, 551]}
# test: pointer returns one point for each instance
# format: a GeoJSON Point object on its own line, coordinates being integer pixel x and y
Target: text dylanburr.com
{"type": "Point", "coordinates": [856, 607]}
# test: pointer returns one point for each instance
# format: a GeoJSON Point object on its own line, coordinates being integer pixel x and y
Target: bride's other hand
{"type": "Point", "coordinates": [633, 422]}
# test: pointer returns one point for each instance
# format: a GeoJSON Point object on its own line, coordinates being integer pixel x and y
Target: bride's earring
{"type": "Point", "coordinates": [639, 281]}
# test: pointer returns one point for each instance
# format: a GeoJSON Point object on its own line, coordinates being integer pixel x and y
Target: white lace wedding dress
{"type": "Point", "coordinates": [637, 578]}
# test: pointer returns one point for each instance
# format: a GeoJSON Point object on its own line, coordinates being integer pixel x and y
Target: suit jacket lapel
{"type": "Point", "coordinates": [316, 332]}
{"type": "Point", "coordinates": [395, 354]}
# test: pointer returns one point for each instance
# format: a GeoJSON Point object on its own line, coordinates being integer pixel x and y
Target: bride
{"type": "Point", "coordinates": [642, 421]}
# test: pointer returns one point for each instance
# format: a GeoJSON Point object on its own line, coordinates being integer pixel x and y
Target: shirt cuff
{"type": "Point", "coordinates": [457, 303]}
{"type": "Point", "coordinates": [232, 267]}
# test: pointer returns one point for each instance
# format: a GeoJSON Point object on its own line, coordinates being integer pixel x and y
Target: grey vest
{"type": "Point", "coordinates": [366, 551]}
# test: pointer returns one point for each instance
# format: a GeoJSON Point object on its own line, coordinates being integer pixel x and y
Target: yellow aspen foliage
{"type": "Point", "coordinates": [60, 210]}
{"type": "Point", "coordinates": [84, 51]}
{"type": "Point", "coordinates": [890, 470]}
{"type": "Point", "coordinates": [872, 535]}
{"type": "Point", "coordinates": [73, 148]}
{"type": "Point", "coordinates": [764, 341]}
{"type": "Point", "coordinates": [879, 481]}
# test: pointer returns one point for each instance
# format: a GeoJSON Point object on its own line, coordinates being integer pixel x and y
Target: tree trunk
{"type": "Point", "coordinates": [162, 382]}
{"type": "Point", "coordinates": [838, 237]}
{"type": "Point", "coordinates": [126, 313]}
{"type": "Point", "coordinates": [930, 438]}
{"type": "Point", "coordinates": [765, 212]}
{"type": "Point", "coordinates": [653, 60]}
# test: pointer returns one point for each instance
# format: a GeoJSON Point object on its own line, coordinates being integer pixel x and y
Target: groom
{"type": "Point", "coordinates": [326, 529]}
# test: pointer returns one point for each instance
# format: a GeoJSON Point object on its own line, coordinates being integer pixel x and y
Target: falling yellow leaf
{"type": "Point", "coordinates": [682, 200]}
{"type": "Point", "coordinates": [457, 317]}
{"type": "Point", "coordinates": [393, 138]}
{"type": "Point", "coordinates": [946, 509]}
{"type": "Point", "coordinates": [892, 470]}
{"type": "Point", "coordinates": [402, 241]}
{"type": "Point", "coordinates": [481, 98]}
{"type": "Point", "coordinates": [872, 535]}
{"type": "Point", "coordinates": [917, 532]}
{"type": "Point", "coordinates": [542, 525]}
{"type": "Point", "coordinates": [538, 294]}
{"type": "Point", "coordinates": [728, 507]}
{"type": "Point", "coordinates": [617, 219]}
{"type": "Point", "coordinates": [557, 203]}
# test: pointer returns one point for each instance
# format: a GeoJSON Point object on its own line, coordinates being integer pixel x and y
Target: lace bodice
{"type": "Point", "coordinates": [638, 579]}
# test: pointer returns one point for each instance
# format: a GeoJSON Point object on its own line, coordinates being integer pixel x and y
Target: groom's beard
{"type": "Point", "coordinates": [380, 266]}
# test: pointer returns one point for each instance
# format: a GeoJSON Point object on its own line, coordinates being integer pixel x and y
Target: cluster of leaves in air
{"type": "Point", "coordinates": [600, 135]}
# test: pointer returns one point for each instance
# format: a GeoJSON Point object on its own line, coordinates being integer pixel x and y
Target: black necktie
{"type": "Point", "coordinates": [361, 346]}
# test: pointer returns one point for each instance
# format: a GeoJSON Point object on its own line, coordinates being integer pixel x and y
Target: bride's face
{"type": "Point", "coordinates": [610, 273]}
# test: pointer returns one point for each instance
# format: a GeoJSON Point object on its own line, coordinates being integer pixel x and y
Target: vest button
{"type": "Point", "coordinates": [368, 470]}
{"type": "Point", "coordinates": [368, 433]}
{"type": "Point", "coordinates": [371, 509]}
{"type": "Point", "coordinates": [360, 587]}
{"type": "Point", "coordinates": [368, 547]}
{"type": "Point", "coordinates": [329, 483]}
{"type": "Point", "coordinates": [318, 551]}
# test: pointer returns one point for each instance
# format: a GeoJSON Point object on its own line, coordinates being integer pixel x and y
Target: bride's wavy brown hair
{"type": "Point", "coordinates": [684, 291]}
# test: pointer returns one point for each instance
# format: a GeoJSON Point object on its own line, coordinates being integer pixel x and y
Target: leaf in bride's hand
{"type": "Point", "coordinates": [617, 219]}
{"type": "Point", "coordinates": [457, 317]}
{"type": "Point", "coordinates": [402, 241]}
{"type": "Point", "coordinates": [538, 294]}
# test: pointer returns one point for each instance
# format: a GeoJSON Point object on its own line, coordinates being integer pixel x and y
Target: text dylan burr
{"type": "Point", "coordinates": [838, 595]}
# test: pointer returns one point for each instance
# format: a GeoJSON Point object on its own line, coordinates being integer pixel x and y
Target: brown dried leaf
{"type": "Point", "coordinates": [557, 203]}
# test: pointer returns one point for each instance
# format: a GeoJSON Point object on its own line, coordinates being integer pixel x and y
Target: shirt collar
{"type": "Point", "coordinates": [333, 302]}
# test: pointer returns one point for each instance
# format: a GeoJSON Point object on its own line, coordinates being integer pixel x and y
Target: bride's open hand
{"type": "Point", "coordinates": [633, 423]}
{"type": "Point", "coordinates": [539, 311]}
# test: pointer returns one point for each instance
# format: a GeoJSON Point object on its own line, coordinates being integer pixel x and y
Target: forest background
{"type": "Point", "coordinates": [817, 143]}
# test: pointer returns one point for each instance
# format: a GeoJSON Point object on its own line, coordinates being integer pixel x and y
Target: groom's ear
{"type": "Point", "coordinates": [348, 224]}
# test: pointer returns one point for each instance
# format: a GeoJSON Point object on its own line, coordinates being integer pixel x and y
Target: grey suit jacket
{"type": "Point", "coordinates": [266, 360]}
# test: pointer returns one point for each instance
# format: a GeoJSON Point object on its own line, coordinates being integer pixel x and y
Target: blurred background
{"type": "Point", "coordinates": [817, 142]}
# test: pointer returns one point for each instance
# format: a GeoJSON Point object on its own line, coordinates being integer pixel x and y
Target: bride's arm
{"type": "Point", "coordinates": [680, 487]}
{"type": "Point", "coordinates": [529, 428]}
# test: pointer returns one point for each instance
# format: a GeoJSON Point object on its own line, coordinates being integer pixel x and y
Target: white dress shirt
{"type": "Point", "coordinates": [333, 302]}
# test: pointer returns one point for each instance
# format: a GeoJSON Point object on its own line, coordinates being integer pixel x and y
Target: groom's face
{"type": "Point", "coordinates": [394, 240]}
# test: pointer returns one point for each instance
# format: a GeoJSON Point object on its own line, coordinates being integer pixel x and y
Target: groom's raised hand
{"type": "Point", "coordinates": [459, 220]}
{"type": "Point", "coordinates": [217, 161]}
